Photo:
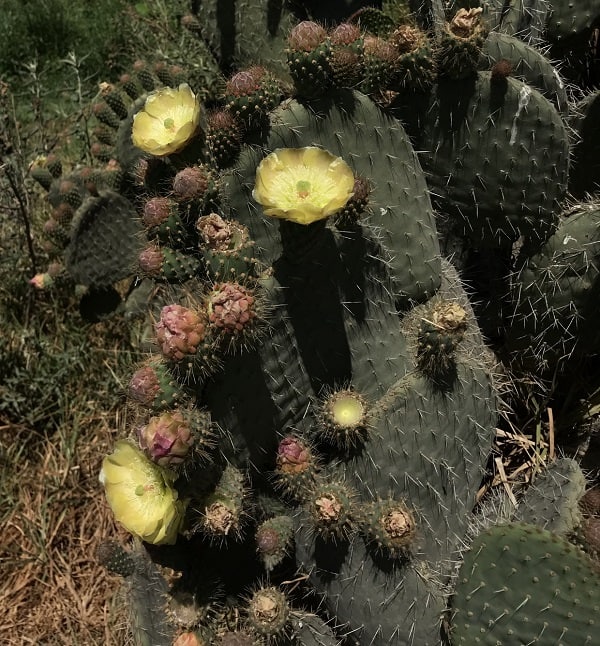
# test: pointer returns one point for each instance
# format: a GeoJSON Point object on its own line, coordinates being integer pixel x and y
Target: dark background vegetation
{"type": "Point", "coordinates": [62, 379]}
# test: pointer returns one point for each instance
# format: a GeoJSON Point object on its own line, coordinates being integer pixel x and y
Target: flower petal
{"type": "Point", "coordinates": [140, 494]}
{"type": "Point", "coordinates": [168, 120]}
{"type": "Point", "coordinates": [302, 184]}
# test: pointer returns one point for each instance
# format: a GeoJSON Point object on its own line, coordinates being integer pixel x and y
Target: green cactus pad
{"type": "Point", "coordinates": [246, 32]}
{"type": "Point", "coordinates": [526, 19]}
{"type": "Point", "coordinates": [519, 584]}
{"type": "Point", "coordinates": [497, 157]}
{"type": "Point", "coordinates": [106, 236]}
{"type": "Point", "coordinates": [147, 591]}
{"type": "Point", "coordinates": [529, 65]}
{"type": "Point", "coordinates": [426, 446]}
{"type": "Point", "coordinates": [571, 18]}
{"type": "Point", "coordinates": [551, 502]}
{"type": "Point", "coordinates": [556, 295]}
{"type": "Point", "coordinates": [400, 218]}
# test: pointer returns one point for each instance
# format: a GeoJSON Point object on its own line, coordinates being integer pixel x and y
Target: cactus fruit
{"type": "Point", "coordinates": [251, 93]}
{"type": "Point", "coordinates": [174, 437]}
{"type": "Point", "coordinates": [226, 248]}
{"type": "Point", "coordinates": [274, 540]}
{"type": "Point", "coordinates": [309, 58]}
{"type": "Point", "coordinates": [153, 386]}
{"type": "Point", "coordinates": [460, 45]}
{"type": "Point", "coordinates": [268, 613]}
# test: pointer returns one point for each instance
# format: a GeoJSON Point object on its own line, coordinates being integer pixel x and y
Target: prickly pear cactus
{"type": "Point", "coordinates": [555, 293]}
{"type": "Point", "coordinates": [306, 442]}
{"type": "Point", "coordinates": [501, 599]}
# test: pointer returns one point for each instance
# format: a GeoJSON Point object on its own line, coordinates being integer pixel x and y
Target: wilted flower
{"type": "Point", "coordinates": [302, 184]}
{"type": "Point", "coordinates": [168, 120]}
{"type": "Point", "coordinates": [141, 495]}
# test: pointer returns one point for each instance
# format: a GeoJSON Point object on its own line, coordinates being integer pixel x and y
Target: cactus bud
{"type": "Point", "coordinates": [162, 219]}
{"type": "Point", "coordinates": [232, 309]}
{"type": "Point", "coordinates": [251, 93]}
{"type": "Point", "coordinates": [345, 34]}
{"type": "Point", "coordinates": [180, 331]}
{"type": "Point", "coordinates": [273, 539]}
{"type": "Point", "coordinates": [223, 513]}
{"type": "Point", "coordinates": [268, 612]}
{"type": "Point", "coordinates": [389, 525]}
{"type": "Point", "coordinates": [192, 183]}
{"type": "Point", "coordinates": [224, 137]}
{"type": "Point", "coordinates": [309, 57]}
{"type": "Point", "coordinates": [461, 43]}
{"type": "Point", "coordinates": [296, 465]}
{"type": "Point", "coordinates": [329, 506]}
{"type": "Point", "coordinates": [306, 36]}
{"type": "Point", "coordinates": [63, 213]}
{"type": "Point", "coordinates": [131, 86]}
{"type": "Point", "coordinates": [114, 99]}
{"type": "Point", "coordinates": [153, 386]}
{"type": "Point", "coordinates": [144, 75]}
{"type": "Point", "coordinates": [167, 438]}
{"type": "Point", "coordinates": [104, 113]}
{"type": "Point", "coordinates": [440, 332]}
{"type": "Point", "coordinates": [350, 214]}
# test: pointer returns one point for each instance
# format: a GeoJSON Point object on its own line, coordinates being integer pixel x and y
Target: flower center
{"type": "Point", "coordinates": [303, 188]}
{"type": "Point", "coordinates": [169, 123]}
{"type": "Point", "coordinates": [140, 490]}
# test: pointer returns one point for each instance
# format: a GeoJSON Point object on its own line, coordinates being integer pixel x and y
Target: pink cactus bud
{"type": "Point", "coordinates": [306, 36]}
{"type": "Point", "coordinates": [167, 439]}
{"type": "Point", "coordinates": [157, 210]}
{"type": "Point", "coordinates": [179, 331]}
{"type": "Point", "coordinates": [191, 184]}
{"type": "Point", "coordinates": [150, 260]}
{"type": "Point", "coordinates": [345, 34]}
{"type": "Point", "coordinates": [245, 82]}
{"type": "Point", "coordinates": [144, 385]}
{"type": "Point", "coordinates": [380, 49]}
{"type": "Point", "coordinates": [293, 456]}
{"type": "Point", "coordinates": [231, 308]}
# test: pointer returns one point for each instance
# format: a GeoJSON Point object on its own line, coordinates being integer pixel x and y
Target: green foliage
{"type": "Point", "coordinates": [46, 30]}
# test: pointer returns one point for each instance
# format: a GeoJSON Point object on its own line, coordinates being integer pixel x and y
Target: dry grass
{"type": "Point", "coordinates": [52, 590]}
{"type": "Point", "coordinates": [53, 515]}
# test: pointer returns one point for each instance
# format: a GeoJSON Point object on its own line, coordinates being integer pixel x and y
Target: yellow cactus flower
{"type": "Point", "coordinates": [141, 495]}
{"type": "Point", "coordinates": [167, 122]}
{"type": "Point", "coordinates": [302, 184]}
